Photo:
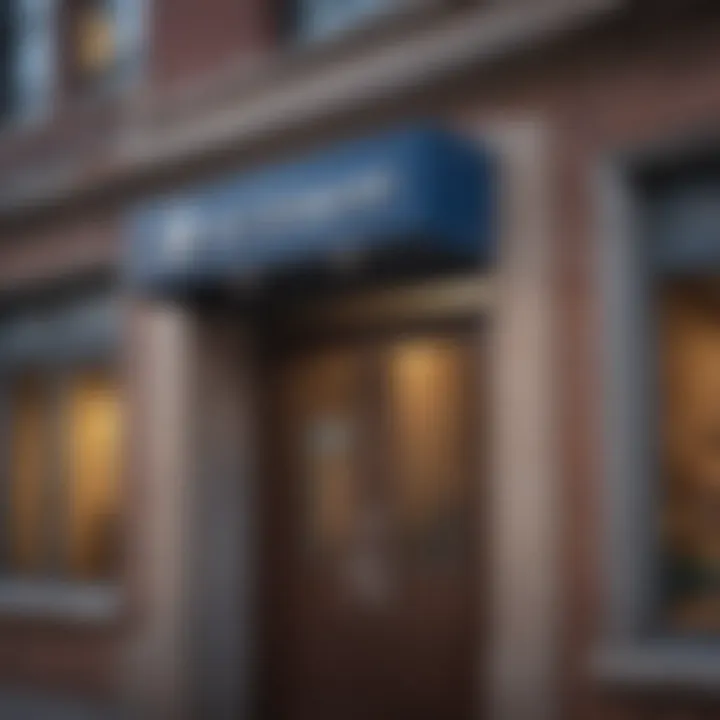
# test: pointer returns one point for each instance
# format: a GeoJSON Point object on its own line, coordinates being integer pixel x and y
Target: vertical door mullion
{"type": "Point", "coordinates": [5, 480]}
{"type": "Point", "coordinates": [372, 422]}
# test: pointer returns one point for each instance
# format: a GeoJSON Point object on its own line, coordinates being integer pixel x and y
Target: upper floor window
{"type": "Point", "coordinates": [321, 19]}
{"type": "Point", "coordinates": [27, 57]}
{"type": "Point", "coordinates": [106, 42]}
{"type": "Point", "coordinates": [87, 44]}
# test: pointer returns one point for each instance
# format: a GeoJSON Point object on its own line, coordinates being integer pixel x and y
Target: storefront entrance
{"type": "Point", "coordinates": [373, 551]}
{"type": "Point", "coordinates": [370, 558]}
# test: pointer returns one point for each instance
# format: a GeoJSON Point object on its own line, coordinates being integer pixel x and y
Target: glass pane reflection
{"type": "Point", "coordinates": [93, 453]}
{"type": "Point", "coordinates": [690, 428]}
{"type": "Point", "coordinates": [30, 433]}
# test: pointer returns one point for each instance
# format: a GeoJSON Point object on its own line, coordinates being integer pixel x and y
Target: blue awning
{"type": "Point", "coordinates": [418, 192]}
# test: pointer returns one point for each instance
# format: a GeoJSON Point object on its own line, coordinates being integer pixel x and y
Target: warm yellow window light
{"type": "Point", "coordinates": [29, 467]}
{"type": "Point", "coordinates": [96, 43]}
{"type": "Point", "coordinates": [93, 456]}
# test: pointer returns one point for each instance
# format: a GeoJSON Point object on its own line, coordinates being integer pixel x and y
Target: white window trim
{"type": "Point", "coordinates": [24, 113]}
{"type": "Point", "coordinates": [304, 34]}
{"type": "Point", "coordinates": [133, 20]}
{"type": "Point", "coordinates": [49, 600]}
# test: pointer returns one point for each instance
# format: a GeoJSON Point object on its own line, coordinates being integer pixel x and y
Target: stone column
{"type": "Point", "coordinates": [525, 509]}
{"type": "Point", "coordinates": [159, 474]}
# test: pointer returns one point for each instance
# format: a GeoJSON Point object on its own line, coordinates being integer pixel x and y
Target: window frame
{"type": "Point", "coordinates": [629, 652]}
{"type": "Point", "coordinates": [61, 80]}
{"type": "Point", "coordinates": [131, 21]}
{"type": "Point", "coordinates": [354, 26]}
{"type": "Point", "coordinates": [46, 595]}
{"type": "Point", "coordinates": [27, 108]}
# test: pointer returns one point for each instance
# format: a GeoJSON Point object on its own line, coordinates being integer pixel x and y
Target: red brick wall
{"type": "Point", "coordinates": [193, 37]}
{"type": "Point", "coordinates": [60, 659]}
{"type": "Point", "coordinates": [640, 84]}
{"type": "Point", "coordinates": [58, 248]}
{"type": "Point", "coordinates": [621, 87]}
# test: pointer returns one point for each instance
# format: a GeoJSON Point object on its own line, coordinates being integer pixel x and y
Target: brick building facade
{"type": "Point", "coordinates": [579, 101]}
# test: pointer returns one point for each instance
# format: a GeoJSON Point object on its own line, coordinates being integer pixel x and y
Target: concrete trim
{"type": "Point", "coordinates": [20, 703]}
{"type": "Point", "coordinates": [48, 600]}
{"type": "Point", "coordinates": [484, 35]}
{"type": "Point", "coordinates": [278, 101]}
{"type": "Point", "coordinates": [157, 677]}
{"type": "Point", "coordinates": [467, 295]}
{"type": "Point", "coordinates": [628, 473]}
{"type": "Point", "coordinates": [660, 666]}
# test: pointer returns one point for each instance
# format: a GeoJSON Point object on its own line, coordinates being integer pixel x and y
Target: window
{"type": "Point", "coordinates": [92, 450]}
{"type": "Point", "coordinates": [62, 420]}
{"type": "Point", "coordinates": [663, 422]}
{"type": "Point", "coordinates": [107, 42]}
{"type": "Point", "coordinates": [690, 430]}
{"type": "Point", "coordinates": [90, 44]}
{"type": "Point", "coordinates": [36, 56]}
{"type": "Point", "coordinates": [321, 19]}
{"type": "Point", "coordinates": [684, 220]}
{"type": "Point", "coordinates": [27, 57]}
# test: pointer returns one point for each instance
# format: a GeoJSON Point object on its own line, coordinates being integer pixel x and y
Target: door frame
{"type": "Point", "coordinates": [432, 308]}
{"type": "Point", "coordinates": [170, 346]}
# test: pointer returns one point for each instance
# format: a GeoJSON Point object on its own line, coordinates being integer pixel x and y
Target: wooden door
{"type": "Point", "coordinates": [375, 604]}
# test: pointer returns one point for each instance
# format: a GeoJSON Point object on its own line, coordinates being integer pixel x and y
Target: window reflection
{"type": "Point", "coordinates": [93, 452]}
{"type": "Point", "coordinates": [30, 433]}
{"type": "Point", "coordinates": [690, 376]}
{"type": "Point", "coordinates": [427, 443]}
{"type": "Point", "coordinates": [321, 19]}
{"type": "Point", "coordinates": [95, 39]}
{"type": "Point", "coordinates": [329, 436]}
{"type": "Point", "coordinates": [64, 472]}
